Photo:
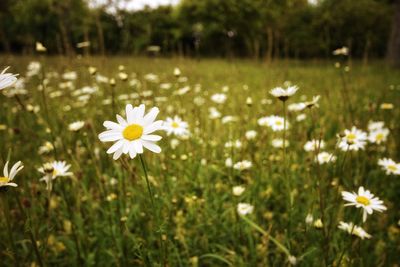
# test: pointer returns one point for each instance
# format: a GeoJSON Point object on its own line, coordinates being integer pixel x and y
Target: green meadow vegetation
{"type": "Point", "coordinates": [223, 193]}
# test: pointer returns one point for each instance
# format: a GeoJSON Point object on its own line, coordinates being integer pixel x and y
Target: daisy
{"type": "Point", "coordinates": [313, 102]}
{"type": "Point", "coordinates": [219, 98]}
{"type": "Point", "coordinates": [378, 136]}
{"type": "Point", "coordinates": [7, 79]}
{"type": "Point", "coordinates": [325, 157]}
{"type": "Point", "coordinates": [53, 170]}
{"type": "Point", "coordinates": [8, 177]}
{"type": "Point", "coordinates": [277, 123]}
{"type": "Point", "coordinates": [365, 200]}
{"type": "Point", "coordinates": [244, 209]}
{"type": "Point", "coordinates": [344, 51]}
{"type": "Point", "coordinates": [278, 143]}
{"type": "Point", "coordinates": [353, 139]}
{"type": "Point", "coordinates": [177, 72]}
{"type": "Point", "coordinates": [238, 190]}
{"type": "Point", "coordinates": [389, 166]}
{"type": "Point", "coordinates": [251, 134]}
{"type": "Point", "coordinates": [76, 126]}
{"type": "Point", "coordinates": [176, 126]}
{"type": "Point", "coordinates": [354, 230]}
{"type": "Point", "coordinates": [134, 133]}
{"type": "Point", "coordinates": [375, 125]}
{"type": "Point", "coordinates": [314, 145]}
{"type": "Point", "coordinates": [284, 94]}
{"type": "Point", "coordinates": [242, 165]}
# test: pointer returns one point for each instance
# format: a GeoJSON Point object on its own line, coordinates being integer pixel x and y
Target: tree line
{"type": "Point", "coordinates": [260, 29]}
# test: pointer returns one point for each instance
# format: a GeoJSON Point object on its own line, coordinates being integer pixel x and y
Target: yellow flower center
{"type": "Point", "coordinates": [363, 200]}
{"type": "Point", "coordinates": [278, 123]}
{"type": "Point", "coordinates": [379, 137]}
{"type": "Point", "coordinates": [351, 137]}
{"type": "Point", "coordinates": [4, 180]}
{"type": "Point", "coordinates": [392, 167]}
{"type": "Point", "coordinates": [132, 132]}
{"type": "Point", "coordinates": [175, 125]}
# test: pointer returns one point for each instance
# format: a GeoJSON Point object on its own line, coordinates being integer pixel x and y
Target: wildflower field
{"type": "Point", "coordinates": [125, 161]}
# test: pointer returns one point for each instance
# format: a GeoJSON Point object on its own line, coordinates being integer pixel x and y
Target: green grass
{"type": "Point", "coordinates": [88, 221]}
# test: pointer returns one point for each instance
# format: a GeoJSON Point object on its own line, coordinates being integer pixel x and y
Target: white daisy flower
{"type": "Point", "coordinates": [242, 165]}
{"type": "Point", "coordinates": [314, 145]}
{"type": "Point", "coordinates": [76, 126]}
{"type": "Point", "coordinates": [251, 134]}
{"type": "Point", "coordinates": [244, 208]}
{"type": "Point", "coordinates": [214, 113]}
{"type": "Point", "coordinates": [277, 123]}
{"type": "Point", "coordinates": [278, 143]}
{"type": "Point", "coordinates": [325, 157]}
{"type": "Point", "coordinates": [53, 170]}
{"type": "Point", "coordinates": [375, 125]}
{"type": "Point", "coordinates": [354, 230]}
{"type": "Point", "coordinates": [389, 166]}
{"type": "Point", "coordinates": [34, 68]}
{"type": "Point", "coordinates": [235, 144]}
{"type": "Point", "coordinates": [176, 126]}
{"type": "Point", "coordinates": [238, 190]}
{"type": "Point", "coordinates": [301, 117]}
{"type": "Point", "coordinates": [353, 139]}
{"type": "Point", "coordinates": [365, 200]}
{"type": "Point", "coordinates": [296, 107]}
{"type": "Point", "coordinates": [134, 133]}
{"type": "Point", "coordinates": [177, 72]}
{"type": "Point", "coordinates": [313, 103]}
{"type": "Point", "coordinates": [219, 98]}
{"type": "Point", "coordinates": [344, 51]}
{"type": "Point", "coordinates": [378, 136]}
{"type": "Point", "coordinates": [8, 176]}
{"type": "Point", "coordinates": [283, 94]}
{"type": "Point", "coordinates": [7, 79]}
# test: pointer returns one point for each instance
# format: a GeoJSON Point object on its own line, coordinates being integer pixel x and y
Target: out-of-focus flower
{"type": "Point", "coordinates": [284, 94]}
{"type": "Point", "coordinates": [76, 126]}
{"type": "Point", "coordinates": [219, 98]}
{"type": "Point", "coordinates": [40, 47]}
{"type": "Point", "coordinates": [325, 157]}
{"type": "Point", "coordinates": [238, 190]}
{"type": "Point", "coordinates": [389, 166]}
{"type": "Point", "coordinates": [176, 126]}
{"type": "Point", "coordinates": [53, 170]}
{"type": "Point", "coordinates": [242, 165]}
{"type": "Point", "coordinates": [353, 139]}
{"type": "Point", "coordinates": [244, 209]}
{"type": "Point", "coordinates": [7, 79]}
{"type": "Point", "coordinates": [344, 51]}
{"type": "Point", "coordinates": [314, 145]}
{"type": "Point", "coordinates": [354, 230]}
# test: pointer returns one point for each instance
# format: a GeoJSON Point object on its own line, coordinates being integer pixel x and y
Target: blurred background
{"type": "Point", "coordinates": [257, 29]}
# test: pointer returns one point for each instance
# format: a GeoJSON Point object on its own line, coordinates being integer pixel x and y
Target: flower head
{"type": "Point", "coordinates": [354, 230]}
{"type": "Point", "coordinates": [325, 157]}
{"type": "Point", "coordinates": [389, 166]}
{"type": "Point", "coordinates": [176, 126]}
{"type": "Point", "coordinates": [244, 208]}
{"type": "Point", "coordinates": [353, 139]}
{"type": "Point", "coordinates": [7, 79]}
{"type": "Point", "coordinates": [52, 170]}
{"type": "Point", "coordinates": [365, 200]}
{"type": "Point", "coordinates": [378, 136]}
{"type": "Point", "coordinates": [76, 126]}
{"type": "Point", "coordinates": [314, 145]}
{"type": "Point", "coordinates": [8, 176]}
{"type": "Point", "coordinates": [134, 133]}
{"type": "Point", "coordinates": [284, 94]}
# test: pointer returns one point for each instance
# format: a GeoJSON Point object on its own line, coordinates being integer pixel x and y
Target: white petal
{"type": "Point", "coordinates": [151, 116]}
{"type": "Point", "coordinates": [138, 146]}
{"type": "Point", "coordinates": [151, 137]}
{"type": "Point", "coordinates": [153, 127]}
{"type": "Point", "coordinates": [115, 146]}
{"type": "Point", "coordinates": [112, 125]}
{"type": "Point", "coordinates": [117, 154]}
{"type": "Point", "coordinates": [151, 146]}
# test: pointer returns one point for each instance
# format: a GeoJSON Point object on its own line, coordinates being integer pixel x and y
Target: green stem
{"type": "Point", "coordinates": [6, 211]}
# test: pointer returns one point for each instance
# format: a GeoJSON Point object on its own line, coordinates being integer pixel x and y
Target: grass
{"type": "Point", "coordinates": [103, 215]}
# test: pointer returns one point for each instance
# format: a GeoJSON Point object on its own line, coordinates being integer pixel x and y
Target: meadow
{"type": "Point", "coordinates": [239, 180]}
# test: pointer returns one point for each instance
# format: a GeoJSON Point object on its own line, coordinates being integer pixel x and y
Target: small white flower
{"type": "Point", "coordinates": [375, 125]}
{"type": "Point", "coordinates": [301, 117]}
{"type": "Point", "coordinates": [242, 165]}
{"type": "Point", "coordinates": [219, 98]}
{"type": "Point", "coordinates": [344, 51]}
{"type": "Point", "coordinates": [365, 200]}
{"type": "Point", "coordinates": [7, 79]}
{"type": "Point", "coordinates": [76, 126]}
{"type": "Point", "coordinates": [176, 126]}
{"type": "Point", "coordinates": [389, 166]}
{"type": "Point", "coordinates": [244, 209]}
{"type": "Point", "coordinates": [278, 143]}
{"type": "Point", "coordinates": [251, 134]}
{"type": "Point", "coordinates": [378, 136]}
{"type": "Point", "coordinates": [314, 145]}
{"type": "Point", "coordinates": [353, 139]}
{"type": "Point", "coordinates": [238, 190]}
{"type": "Point", "coordinates": [325, 157]}
{"type": "Point", "coordinates": [283, 94]}
{"type": "Point", "coordinates": [354, 230]}
{"type": "Point", "coordinates": [53, 170]}
{"type": "Point", "coordinates": [309, 219]}
{"type": "Point", "coordinates": [8, 176]}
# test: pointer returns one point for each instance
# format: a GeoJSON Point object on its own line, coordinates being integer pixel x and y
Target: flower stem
{"type": "Point", "coordinates": [6, 211]}
{"type": "Point", "coordinates": [286, 177]}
